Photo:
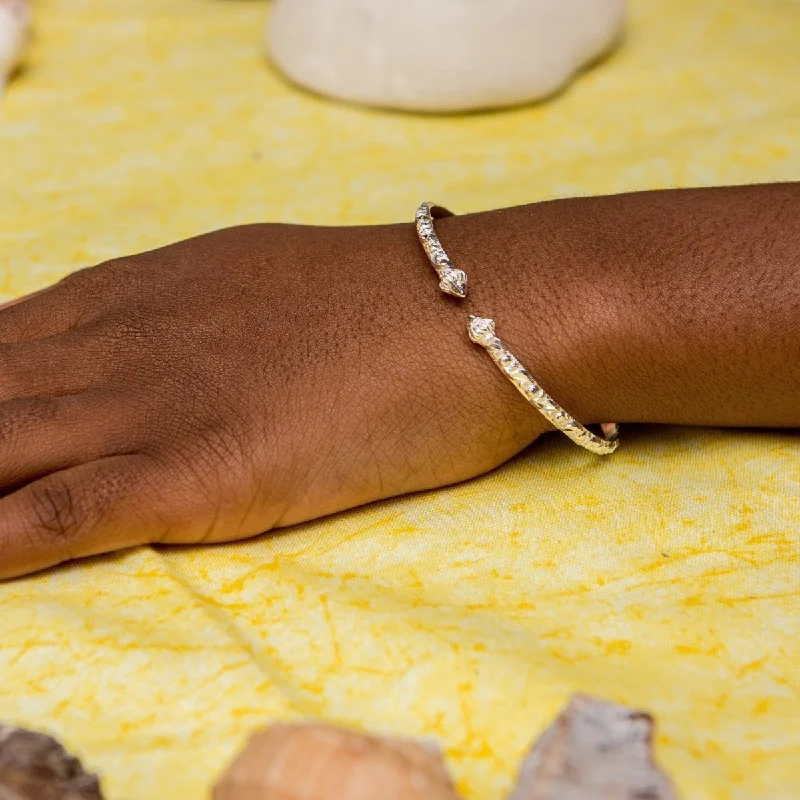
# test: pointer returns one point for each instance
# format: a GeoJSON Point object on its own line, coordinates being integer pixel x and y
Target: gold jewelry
{"type": "Point", "coordinates": [451, 281]}
{"type": "Point", "coordinates": [481, 331]}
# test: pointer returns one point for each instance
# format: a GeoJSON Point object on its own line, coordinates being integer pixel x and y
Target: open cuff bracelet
{"type": "Point", "coordinates": [453, 281]}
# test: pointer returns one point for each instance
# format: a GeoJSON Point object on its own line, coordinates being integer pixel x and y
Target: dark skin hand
{"type": "Point", "coordinates": [260, 376]}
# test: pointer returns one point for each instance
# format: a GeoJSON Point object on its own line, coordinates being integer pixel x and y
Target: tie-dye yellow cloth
{"type": "Point", "coordinates": [666, 577]}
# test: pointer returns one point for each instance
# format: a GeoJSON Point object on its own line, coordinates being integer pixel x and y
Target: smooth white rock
{"type": "Point", "coordinates": [439, 55]}
{"type": "Point", "coordinates": [15, 20]}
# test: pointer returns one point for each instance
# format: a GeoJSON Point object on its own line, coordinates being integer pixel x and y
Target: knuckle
{"type": "Point", "coordinates": [78, 285]}
{"type": "Point", "coordinates": [56, 512]}
{"type": "Point", "coordinates": [121, 273]}
{"type": "Point", "coordinates": [99, 284]}
{"type": "Point", "coordinates": [78, 294]}
{"type": "Point", "coordinates": [203, 452]}
{"type": "Point", "coordinates": [21, 416]}
{"type": "Point", "coordinates": [13, 375]}
{"type": "Point", "coordinates": [129, 330]}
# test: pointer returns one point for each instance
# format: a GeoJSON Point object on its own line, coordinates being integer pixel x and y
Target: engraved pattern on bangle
{"type": "Point", "coordinates": [451, 280]}
{"type": "Point", "coordinates": [482, 332]}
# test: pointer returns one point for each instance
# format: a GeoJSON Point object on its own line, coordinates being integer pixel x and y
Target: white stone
{"type": "Point", "coordinates": [439, 55]}
{"type": "Point", "coordinates": [15, 17]}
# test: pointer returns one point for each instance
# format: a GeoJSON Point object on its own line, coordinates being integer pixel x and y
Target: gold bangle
{"type": "Point", "coordinates": [481, 331]}
{"type": "Point", "coordinates": [453, 281]}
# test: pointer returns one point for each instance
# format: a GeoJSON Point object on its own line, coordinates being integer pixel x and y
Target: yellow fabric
{"type": "Point", "coordinates": [665, 576]}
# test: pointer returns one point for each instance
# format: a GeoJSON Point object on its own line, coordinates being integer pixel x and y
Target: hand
{"type": "Point", "coordinates": [233, 383]}
{"type": "Point", "coordinates": [266, 375]}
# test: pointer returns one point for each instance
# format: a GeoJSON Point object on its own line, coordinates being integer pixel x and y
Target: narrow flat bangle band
{"type": "Point", "coordinates": [451, 280]}
{"type": "Point", "coordinates": [482, 332]}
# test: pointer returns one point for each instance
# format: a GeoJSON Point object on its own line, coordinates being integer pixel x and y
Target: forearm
{"type": "Point", "coordinates": [674, 306]}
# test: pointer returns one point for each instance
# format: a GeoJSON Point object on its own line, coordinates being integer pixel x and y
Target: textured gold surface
{"type": "Point", "coordinates": [482, 332]}
{"type": "Point", "coordinates": [666, 577]}
{"type": "Point", "coordinates": [451, 281]}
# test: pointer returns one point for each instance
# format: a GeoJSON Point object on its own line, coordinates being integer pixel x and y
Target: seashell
{"type": "Point", "coordinates": [322, 762]}
{"type": "Point", "coordinates": [447, 55]}
{"type": "Point", "coordinates": [34, 766]}
{"type": "Point", "coordinates": [595, 750]}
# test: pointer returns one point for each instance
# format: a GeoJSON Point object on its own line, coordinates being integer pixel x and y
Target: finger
{"type": "Point", "coordinates": [67, 363]}
{"type": "Point", "coordinates": [86, 510]}
{"type": "Point", "coordinates": [41, 313]}
{"type": "Point", "coordinates": [18, 300]}
{"type": "Point", "coordinates": [49, 311]}
{"type": "Point", "coordinates": [40, 435]}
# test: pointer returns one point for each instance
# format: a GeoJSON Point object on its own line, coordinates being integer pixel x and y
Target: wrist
{"type": "Point", "coordinates": [664, 307]}
{"type": "Point", "coordinates": [527, 274]}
